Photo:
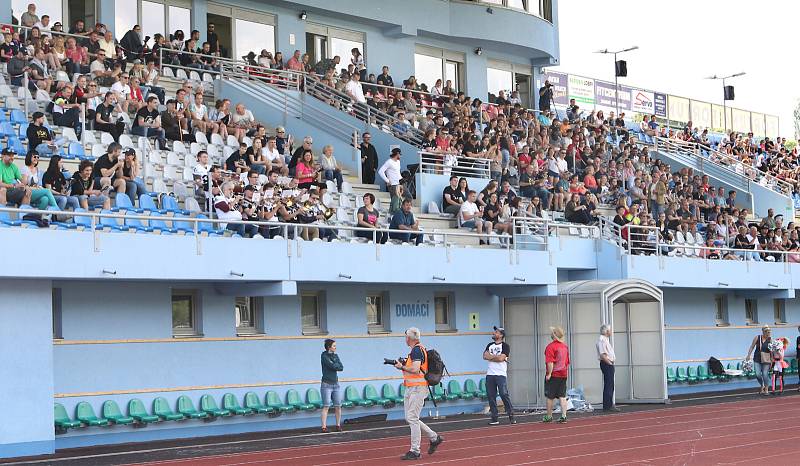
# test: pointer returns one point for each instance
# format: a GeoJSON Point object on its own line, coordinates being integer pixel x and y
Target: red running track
{"type": "Point", "coordinates": [722, 433]}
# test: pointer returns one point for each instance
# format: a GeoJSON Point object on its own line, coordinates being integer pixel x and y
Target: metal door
{"type": "Point", "coordinates": [519, 322]}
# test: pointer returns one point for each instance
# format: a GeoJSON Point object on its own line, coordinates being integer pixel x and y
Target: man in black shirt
{"type": "Point", "coordinates": [40, 138]}
{"type": "Point", "coordinates": [452, 197]}
{"type": "Point", "coordinates": [237, 161]}
{"type": "Point", "coordinates": [384, 79]}
{"type": "Point", "coordinates": [545, 96]}
{"type": "Point", "coordinates": [107, 169]}
{"type": "Point", "coordinates": [148, 122]}
{"type": "Point", "coordinates": [369, 159]}
{"type": "Point", "coordinates": [103, 121]}
{"type": "Point", "coordinates": [213, 39]}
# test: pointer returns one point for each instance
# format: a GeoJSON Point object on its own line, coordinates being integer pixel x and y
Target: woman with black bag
{"type": "Point", "coordinates": [761, 355]}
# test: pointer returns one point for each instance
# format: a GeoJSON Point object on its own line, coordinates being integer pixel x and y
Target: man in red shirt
{"type": "Point", "coordinates": [556, 358]}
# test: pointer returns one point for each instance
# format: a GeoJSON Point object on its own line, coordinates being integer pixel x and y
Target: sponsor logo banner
{"type": "Point", "coordinates": [643, 102]}
{"type": "Point", "coordinates": [582, 90]}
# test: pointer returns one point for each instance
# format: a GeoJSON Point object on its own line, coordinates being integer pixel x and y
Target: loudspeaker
{"type": "Point", "coordinates": [728, 91]}
{"type": "Point", "coordinates": [621, 68]}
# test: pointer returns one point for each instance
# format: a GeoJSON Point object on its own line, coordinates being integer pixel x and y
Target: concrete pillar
{"type": "Point", "coordinates": [200, 18]}
{"type": "Point", "coordinates": [26, 368]}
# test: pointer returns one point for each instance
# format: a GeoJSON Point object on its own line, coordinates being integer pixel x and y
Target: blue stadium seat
{"type": "Point", "coordinates": [18, 117]}
{"type": "Point", "coordinates": [6, 130]}
{"type": "Point", "coordinates": [135, 223]}
{"type": "Point", "coordinates": [182, 226]}
{"type": "Point", "coordinates": [76, 149]}
{"type": "Point", "coordinates": [123, 202]}
{"type": "Point", "coordinates": [3, 116]}
{"type": "Point", "coordinates": [205, 227]}
{"type": "Point", "coordinates": [83, 221]}
{"type": "Point", "coordinates": [5, 219]}
{"type": "Point", "coordinates": [160, 225]}
{"type": "Point", "coordinates": [170, 204]}
{"type": "Point", "coordinates": [16, 144]}
{"type": "Point", "coordinates": [147, 204]}
{"type": "Point", "coordinates": [23, 131]}
{"type": "Point", "coordinates": [106, 222]}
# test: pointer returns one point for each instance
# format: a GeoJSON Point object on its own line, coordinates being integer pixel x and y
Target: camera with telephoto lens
{"type": "Point", "coordinates": [392, 362]}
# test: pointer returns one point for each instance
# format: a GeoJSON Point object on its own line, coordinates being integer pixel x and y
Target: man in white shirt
{"type": "Point", "coordinates": [390, 173]}
{"type": "Point", "coordinates": [272, 154]}
{"type": "Point", "coordinates": [354, 89]}
{"type": "Point", "coordinates": [44, 26]}
{"type": "Point", "coordinates": [471, 216]}
{"type": "Point", "coordinates": [496, 353]}
{"type": "Point", "coordinates": [605, 353]}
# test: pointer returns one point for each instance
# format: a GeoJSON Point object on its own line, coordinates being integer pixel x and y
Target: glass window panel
{"type": "Point", "coordinates": [253, 37]}
{"type": "Point", "coordinates": [180, 18]}
{"type": "Point", "coordinates": [451, 74]}
{"type": "Point", "coordinates": [427, 69]}
{"type": "Point", "coordinates": [125, 17]}
{"type": "Point", "coordinates": [152, 19]}
{"type": "Point", "coordinates": [309, 311]}
{"type": "Point", "coordinates": [517, 4]}
{"type": "Point", "coordinates": [182, 316]}
{"type": "Point", "coordinates": [344, 48]}
{"type": "Point", "coordinates": [441, 305]}
{"type": "Point", "coordinates": [498, 80]}
{"type": "Point", "coordinates": [80, 9]}
{"type": "Point", "coordinates": [51, 8]}
{"type": "Point", "coordinates": [496, 2]}
{"type": "Point", "coordinates": [374, 308]}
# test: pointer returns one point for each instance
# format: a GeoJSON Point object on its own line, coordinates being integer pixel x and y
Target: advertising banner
{"type": "Point", "coordinates": [757, 124]}
{"type": "Point", "coordinates": [559, 82]}
{"type": "Point", "coordinates": [642, 102]}
{"type": "Point", "coordinates": [582, 90]}
{"type": "Point", "coordinates": [741, 120]}
{"type": "Point", "coordinates": [678, 109]}
{"type": "Point", "coordinates": [717, 119]}
{"type": "Point", "coordinates": [771, 126]}
{"type": "Point", "coordinates": [604, 96]}
{"type": "Point", "coordinates": [701, 114]}
{"type": "Point", "coordinates": [660, 102]}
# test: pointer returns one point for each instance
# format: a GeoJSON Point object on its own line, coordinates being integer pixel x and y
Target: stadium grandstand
{"type": "Point", "coordinates": [196, 195]}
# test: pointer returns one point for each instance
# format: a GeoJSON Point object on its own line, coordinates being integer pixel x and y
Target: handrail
{"type": "Point", "coordinates": [48, 31]}
{"type": "Point", "coordinates": [434, 163]}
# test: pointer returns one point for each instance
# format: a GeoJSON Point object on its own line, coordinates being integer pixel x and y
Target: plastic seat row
{"type": "Point", "coordinates": [700, 373]}
{"type": "Point", "coordinates": [209, 410]}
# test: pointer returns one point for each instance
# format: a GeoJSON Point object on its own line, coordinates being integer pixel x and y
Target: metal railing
{"type": "Point", "coordinates": [440, 164]}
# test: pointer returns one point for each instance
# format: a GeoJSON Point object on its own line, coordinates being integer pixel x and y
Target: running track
{"type": "Point", "coordinates": [721, 433]}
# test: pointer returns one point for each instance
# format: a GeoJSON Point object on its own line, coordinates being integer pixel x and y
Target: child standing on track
{"type": "Point", "coordinates": [556, 358]}
{"type": "Point", "coordinates": [778, 365]}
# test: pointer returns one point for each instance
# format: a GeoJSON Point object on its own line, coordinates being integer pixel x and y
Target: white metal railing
{"type": "Point", "coordinates": [447, 164]}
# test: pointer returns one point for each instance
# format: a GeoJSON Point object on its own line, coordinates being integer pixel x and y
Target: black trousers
{"type": "Point", "coordinates": [608, 384]}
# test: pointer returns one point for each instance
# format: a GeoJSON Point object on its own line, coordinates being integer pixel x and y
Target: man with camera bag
{"type": "Point", "coordinates": [414, 368]}
{"type": "Point", "coordinates": [545, 96]}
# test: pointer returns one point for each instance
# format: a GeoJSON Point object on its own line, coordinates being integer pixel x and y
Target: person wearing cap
{"type": "Point", "coordinates": [556, 358]}
{"type": "Point", "coordinates": [496, 353]}
{"type": "Point", "coordinates": [414, 368]}
{"type": "Point", "coordinates": [11, 180]}
{"type": "Point", "coordinates": [605, 353]}
{"type": "Point", "coordinates": [390, 173]}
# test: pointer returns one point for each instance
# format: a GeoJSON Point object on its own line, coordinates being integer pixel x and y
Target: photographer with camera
{"type": "Point", "coordinates": [545, 96]}
{"type": "Point", "coordinates": [414, 368]}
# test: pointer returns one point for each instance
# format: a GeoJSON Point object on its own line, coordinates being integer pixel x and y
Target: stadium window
{"type": "Point", "coordinates": [377, 305]}
{"type": "Point", "coordinates": [499, 80]}
{"type": "Point", "coordinates": [252, 36]}
{"type": "Point", "coordinates": [312, 314]}
{"type": "Point", "coordinates": [126, 15]}
{"type": "Point", "coordinates": [185, 313]}
{"type": "Point", "coordinates": [431, 63]}
{"type": "Point", "coordinates": [56, 307]}
{"type": "Point", "coordinates": [153, 20]}
{"type": "Point", "coordinates": [179, 18]}
{"type": "Point", "coordinates": [751, 311]}
{"type": "Point", "coordinates": [445, 314]}
{"type": "Point", "coordinates": [779, 311]}
{"type": "Point", "coordinates": [721, 310]}
{"type": "Point", "coordinates": [249, 315]}
{"type": "Point", "coordinates": [324, 41]}
{"type": "Point", "coordinates": [518, 4]}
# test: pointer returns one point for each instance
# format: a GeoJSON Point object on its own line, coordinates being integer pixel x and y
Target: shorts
{"type": "Point", "coordinates": [556, 387]}
{"type": "Point", "coordinates": [331, 394]}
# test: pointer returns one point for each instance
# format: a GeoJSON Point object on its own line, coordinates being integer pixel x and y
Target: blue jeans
{"type": "Point", "coordinates": [496, 386]}
{"type": "Point", "coordinates": [334, 175]}
{"type": "Point", "coordinates": [134, 189]}
{"type": "Point", "coordinates": [407, 237]}
{"type": "Point", "coordinates": [67, 201]}
{"type": "Point", "coordinates": [244, 231]}
{"type": "Point", "coordinates": [150, 132]}
{"type": "Point", "coordinates": [762, 373]}
{"type": "Point", "coordinates": [331, 394]}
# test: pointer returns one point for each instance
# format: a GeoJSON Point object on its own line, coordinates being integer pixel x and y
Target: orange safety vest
{"type": "Point", "coordinates": [415, 380]}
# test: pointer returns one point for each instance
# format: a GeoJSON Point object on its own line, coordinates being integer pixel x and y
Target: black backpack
{"type": "Point", "coordinates": [715, 367]}
{"type": "Point", "coordinates": [436, 368]}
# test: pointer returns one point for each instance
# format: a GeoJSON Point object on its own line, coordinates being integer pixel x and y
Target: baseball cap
{"type": "Point", "coordinates": [501, 330]}
{"type": "Point", "coordinates": [129, 151]}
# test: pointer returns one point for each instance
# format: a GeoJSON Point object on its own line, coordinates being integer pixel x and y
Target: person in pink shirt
{"type": "Point", "coordinates": [295, 63]}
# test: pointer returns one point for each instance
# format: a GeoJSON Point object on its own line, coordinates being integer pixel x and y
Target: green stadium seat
{"type": "Point", "coordinates": [454, 388]}
{"type": "Point", "coordinates": [682, 376]}
{"type": "Point", "coordinates": [438, 393]}
{"type": "Point", "coordinates": [230, 403]}
{"type": "Point", "coordinates": [61, 418]}
{"type": "Point", "coordinates": [137, 411]}
{"type": "Point", "coordinates": [351, 395]}
{"type": "Point", "coordinates": [702, 373]}
{"type": "Point", "coordinates": [793, 366]}
{"type": "Point", "coordinates": [161, 409]}
{"type": "Point", "coordinates": [85, 413]}
{"type": "Point", "coordinates": [252, 402]}
{"type": "Point", "coordinates": [671, 375]}
{"type": "Point", "coordinates": [313, 397]}
{"type": "Point", "coordinates": [371, 394]}
{"type": "Point", "coordinates": [186, 407]}
{"type": "Point", "coordinates": [472, 388]}
{"type": "Point", "coordinates": [447, 395]}
{"type": "Point", "coordinates": [482, 388]}
{"type": "Point", "coordinates": [209, 405]}
{"type": "Point", "coordinates": [388, 392]}
{"type": "Point", "coordinates": [692, 377]}
{"type": "Point", "coordinates": [293, 399]}
{"type": "Point", "coordinates": [401, 391]}
{"type": "Point", "coordinates": [274, 401]}
{"type": "Point", "coordinates": [112, 412]}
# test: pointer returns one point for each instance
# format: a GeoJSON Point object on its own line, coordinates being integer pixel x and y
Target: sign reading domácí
{"type": "Point", "coordinates": [417, 309]}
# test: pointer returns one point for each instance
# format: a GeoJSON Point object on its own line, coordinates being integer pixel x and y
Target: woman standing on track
{"type": "Point", "coordinates": [331, 393]}
{"type": "Point", "coordinates": [760, 353]}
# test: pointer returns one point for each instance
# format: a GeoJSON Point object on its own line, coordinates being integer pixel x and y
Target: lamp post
{"type": "Point", "coordinates": [724, 99]}
{"type": "Point", "coordinates": [616, 77]}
